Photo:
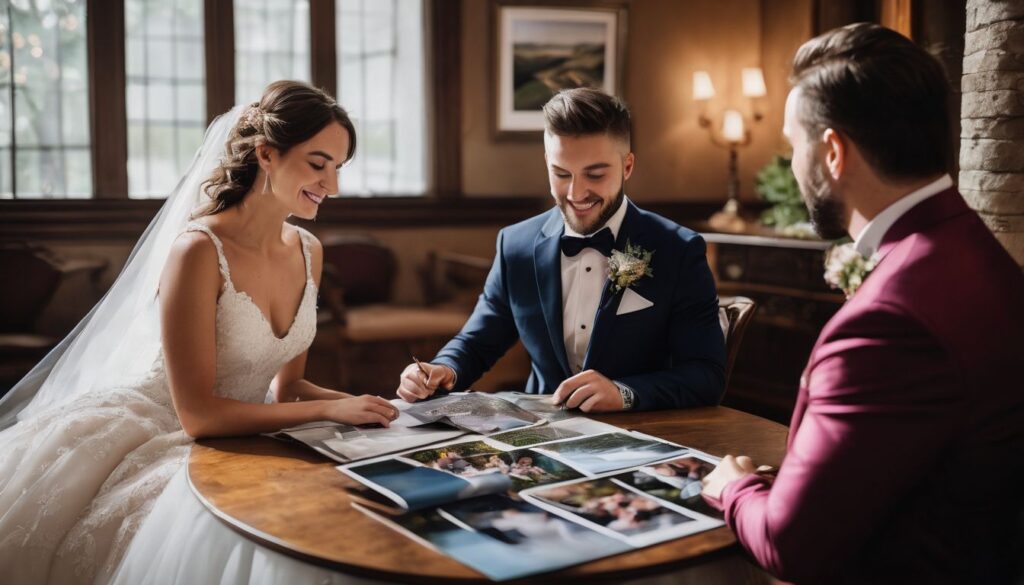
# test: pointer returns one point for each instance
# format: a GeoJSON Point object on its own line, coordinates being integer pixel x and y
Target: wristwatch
{"type": "Point", "coordinates": [628, 396]}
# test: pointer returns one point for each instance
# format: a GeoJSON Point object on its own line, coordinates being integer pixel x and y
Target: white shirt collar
{"type": "Point", "coordinates": [614, 222]}
{"type": "Point", "coordinates": [867, 242]}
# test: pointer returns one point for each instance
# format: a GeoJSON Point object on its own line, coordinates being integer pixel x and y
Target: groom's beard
{"type": "Point", "coordinates": [825, 206]}
{"type": "Point", "coordinates": [606, 213]}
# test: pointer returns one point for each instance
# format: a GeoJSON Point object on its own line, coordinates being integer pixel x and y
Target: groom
{"type": "Point", "coordinates": [905, 459]}
{"type": "Point", "coordinates": [648, 340]}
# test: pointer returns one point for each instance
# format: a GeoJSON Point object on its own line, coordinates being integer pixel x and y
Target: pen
{"type": "Point", "coordinates": [439, 391]}
{"type": "Point", "coordinates": [419, 365]}
{"type": "Point", "coordinates": [426, 376]}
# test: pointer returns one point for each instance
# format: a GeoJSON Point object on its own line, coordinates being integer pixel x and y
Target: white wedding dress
{"type": "Point", "coordinates": [83, 482]}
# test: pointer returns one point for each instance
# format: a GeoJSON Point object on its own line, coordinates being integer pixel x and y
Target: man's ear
{"type": "Point", "coordinates": [835, 152]}
{"type": "Point", "coordinates": [627, 166]}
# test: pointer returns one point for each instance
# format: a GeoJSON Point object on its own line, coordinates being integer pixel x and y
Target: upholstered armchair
{"type": "Point", "coordinates": [365, 336]}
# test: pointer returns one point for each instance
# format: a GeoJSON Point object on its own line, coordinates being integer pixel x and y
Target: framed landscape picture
{"type": "Point", "coordinates": [540, 50]}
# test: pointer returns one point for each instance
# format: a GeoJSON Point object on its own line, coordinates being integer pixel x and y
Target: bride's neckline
{"type": "Point", "coordinates": [244, 296]}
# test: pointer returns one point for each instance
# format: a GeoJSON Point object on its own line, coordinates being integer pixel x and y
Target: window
{"type": "Point", "coordinates": [44, 109]}
{"type": "Point", "coordinates": [271, 43]}
{"type": "Point", "coordinates": [165, 91]}
{"type": "Point", "coordinates": [381, 48]}
{"type": "Point", "coordinates": [372, 54]}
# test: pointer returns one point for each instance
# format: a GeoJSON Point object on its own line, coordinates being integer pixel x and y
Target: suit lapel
{"type": "Point", "coordinates": [548, 267]}
{"type": "Point", "coordinates": [605, 317]}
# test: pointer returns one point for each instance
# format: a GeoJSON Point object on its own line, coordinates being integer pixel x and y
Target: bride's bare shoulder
{"type": "Point", "coordinates": [193, 259]}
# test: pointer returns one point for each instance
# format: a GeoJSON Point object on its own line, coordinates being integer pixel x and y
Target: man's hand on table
{"type": "Point", "coordinates": [590, 391]}
{"type": "Point", "coordinates": [729, 470]}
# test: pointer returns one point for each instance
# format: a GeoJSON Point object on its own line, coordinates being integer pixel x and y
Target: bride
{"type": "Point", "coordinates": [91, 461]}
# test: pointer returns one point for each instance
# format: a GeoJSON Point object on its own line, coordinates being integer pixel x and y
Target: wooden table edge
{"type": "Point", "coordinates": [292, 550]}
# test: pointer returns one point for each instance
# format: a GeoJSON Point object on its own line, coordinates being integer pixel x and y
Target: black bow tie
{"type": "Point", "coordinates": [602, 241]}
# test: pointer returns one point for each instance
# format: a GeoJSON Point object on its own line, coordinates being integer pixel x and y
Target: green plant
{"type": "Point", "coordinates": [777, 185]}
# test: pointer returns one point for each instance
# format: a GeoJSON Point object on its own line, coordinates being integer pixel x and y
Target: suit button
{"type": "Point", "coordinates": [583, 326]}
{"type": "Point", "coordinates": [588, 269]}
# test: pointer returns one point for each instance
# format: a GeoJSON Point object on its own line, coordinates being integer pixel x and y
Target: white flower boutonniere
{"type": "Point", "coordinates": [846, 269]}
{"type": "Point", "coordinates": [625, 267]}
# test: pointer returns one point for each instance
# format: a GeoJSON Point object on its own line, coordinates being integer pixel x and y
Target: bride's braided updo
{"type": "Point", "coordinates": [289, 113]}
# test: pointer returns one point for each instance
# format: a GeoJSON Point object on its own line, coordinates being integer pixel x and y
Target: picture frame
{"type": "Point", "coordinates": [539, 49]}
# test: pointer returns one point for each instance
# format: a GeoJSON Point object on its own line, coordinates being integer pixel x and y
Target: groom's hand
{"type": "Point", "coordinates": [589, 391]}
{"type": "Point", "coordinates": [416, 384]}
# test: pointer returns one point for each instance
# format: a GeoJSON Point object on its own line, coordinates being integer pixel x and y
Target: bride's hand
{"type": "Point", "coordinates": [361, 410]}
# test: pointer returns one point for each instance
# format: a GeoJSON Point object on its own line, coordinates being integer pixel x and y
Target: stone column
{"type": "Point", "coordinates": [992, 124]}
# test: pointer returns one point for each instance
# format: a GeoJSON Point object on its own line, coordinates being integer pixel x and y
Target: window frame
{"type": "Point", "coordinates": [105, 22]}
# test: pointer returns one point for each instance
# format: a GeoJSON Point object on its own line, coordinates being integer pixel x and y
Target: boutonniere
{"type": "Point", "coordinates": [846, 269]}
{"type": "Point", "coordinates": [625, 267]}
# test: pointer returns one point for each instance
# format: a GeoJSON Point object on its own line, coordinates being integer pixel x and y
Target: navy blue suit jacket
{"type": "Point", "coordinates": [672, 354]}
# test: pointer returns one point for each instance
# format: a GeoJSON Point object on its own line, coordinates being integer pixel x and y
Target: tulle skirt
{"type": "Point", "coordinates": [182, 542]}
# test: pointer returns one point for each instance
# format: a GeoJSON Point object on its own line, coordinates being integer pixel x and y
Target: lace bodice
{"type": "Point", "coordinates": [249, 354]}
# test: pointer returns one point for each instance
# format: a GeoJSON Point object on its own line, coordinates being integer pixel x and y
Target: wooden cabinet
{"type": "Point", "coordinates": [785, 277]}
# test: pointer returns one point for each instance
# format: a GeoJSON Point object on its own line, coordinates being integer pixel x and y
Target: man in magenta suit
{"type": "Point", "coordinates": [906, 447]}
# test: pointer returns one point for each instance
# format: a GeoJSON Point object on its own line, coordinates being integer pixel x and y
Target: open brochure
{"type": "Point", "coordinates": [425, 423]}
{"type": "Point", "coordinates": [557, 525]}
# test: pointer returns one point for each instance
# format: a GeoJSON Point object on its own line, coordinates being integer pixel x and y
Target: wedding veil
{"type": "Point", "coordinates": [120, 337]}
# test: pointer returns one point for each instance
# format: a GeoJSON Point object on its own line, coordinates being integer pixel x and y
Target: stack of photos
{"type": "Point", "coordinates": [474, 412]}
{"type": "Point", "coordinates": [423, 423]}
{"type": "Point", "coordinates": [345, 443]}
{"type": "Point", "coordinates": [554, 431]}
{"type": "Point", "coordinates": [677, 481]}
{"type": "Point", "coordinates": [633, 506]}
{"type": "Point", "coordinates": [502, 537]}
{"type": "Point", "coordinates": [610, 451]}
{"type": "Point", "coordinates": [539, 404]}
{"type": "Point", "coordinates": [457, 471]}
{"type": "Point", "coordinates": [512, 511]}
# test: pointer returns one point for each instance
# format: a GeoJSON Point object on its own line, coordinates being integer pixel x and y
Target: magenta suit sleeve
{"type": "Point", "coordinates": [882, 406]}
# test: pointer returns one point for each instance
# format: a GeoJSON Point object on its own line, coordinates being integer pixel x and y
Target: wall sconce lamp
{"type": "Point", "coordinates": [734, 134]}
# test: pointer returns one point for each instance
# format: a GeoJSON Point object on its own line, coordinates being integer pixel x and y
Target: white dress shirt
{"type": "Point", "coordinates": [869, 238]}
{"type": "Point", "coordinates": [584, 278]}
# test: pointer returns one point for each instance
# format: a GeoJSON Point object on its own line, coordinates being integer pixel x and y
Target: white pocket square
{"type": "Point", "coordinates": [632, 302]}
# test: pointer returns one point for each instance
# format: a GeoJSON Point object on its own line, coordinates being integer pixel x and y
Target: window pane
{"type": "Point", "coordinates": [271, 43]}
{"type": "Point", "coordinates": [381, 48]}
{"type": "Point", "coordinates": [6, 169]}
{"type": "Point", "coordinates": [44, 109]}
{"type": "Point", "coordinates": [165, 91]}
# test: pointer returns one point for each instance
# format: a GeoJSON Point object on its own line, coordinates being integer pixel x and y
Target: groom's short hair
{"type": "Point", "coordinates": [584, 111]}
{"type": "Point", "coordinates": [885, 93]}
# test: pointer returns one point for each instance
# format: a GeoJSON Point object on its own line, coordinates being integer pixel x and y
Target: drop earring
{"type": "Point", "coordinates": [266, 183]}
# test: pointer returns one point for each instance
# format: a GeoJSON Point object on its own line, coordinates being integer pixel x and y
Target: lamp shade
{"type": "Point", "coordinates": [702, 87]}
{"type": "Point", "coordinates": [732, 126]}
{"type": "Point", "coordinates": [753, 82]}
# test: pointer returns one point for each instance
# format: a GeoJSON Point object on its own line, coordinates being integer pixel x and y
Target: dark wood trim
{"type": "Point", "coordinates": [446, 96]}
{"type": "Point", "coordinates": [219, 31]}
{"type": "Point", "coordinates": [323, 42]}
{"type": "Point", "coordinates": [117, 220]}
{"type": "Point", "coordinates": [107, 107]}
{"type": "Point", "coordinates": [70, 219]}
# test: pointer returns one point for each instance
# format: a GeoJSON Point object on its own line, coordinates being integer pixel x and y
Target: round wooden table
{"type": "Point", "coordinates": [292, 500]}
